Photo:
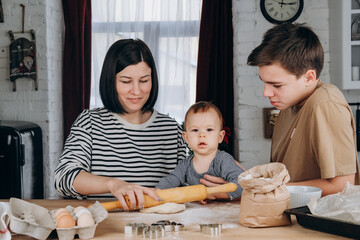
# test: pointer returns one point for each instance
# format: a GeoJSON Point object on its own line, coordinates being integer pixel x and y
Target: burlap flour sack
{"type": "Point", "coordinates": [265, 196]}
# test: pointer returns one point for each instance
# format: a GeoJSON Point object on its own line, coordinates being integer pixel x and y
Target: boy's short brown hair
{"type": "Point", "coordinates": [294, 46]}
{"type": "Point", "coordinates": [203, 106]}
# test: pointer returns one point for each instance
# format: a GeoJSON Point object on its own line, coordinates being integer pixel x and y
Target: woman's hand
{"type": "Point", "coordinates": [87, 184]}
{"type": "Point", "coordinates": [134, 192]}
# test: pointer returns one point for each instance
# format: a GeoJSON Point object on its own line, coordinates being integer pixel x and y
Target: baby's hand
{"type": "Point", "coordinates": [211, 181]}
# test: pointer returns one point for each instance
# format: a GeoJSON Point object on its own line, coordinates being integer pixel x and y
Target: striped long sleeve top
{"type": "Point", "coordinates": [104, 144]}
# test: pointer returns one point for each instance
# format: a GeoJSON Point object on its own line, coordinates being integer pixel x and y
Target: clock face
{"type": "Point", "coordinates": [279, 11]}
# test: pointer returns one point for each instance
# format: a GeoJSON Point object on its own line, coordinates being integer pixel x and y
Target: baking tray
{"type": "Point", "coordinates": [324, 224]}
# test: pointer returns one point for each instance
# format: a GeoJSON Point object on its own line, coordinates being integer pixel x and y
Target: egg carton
{"type": "Point", "coordinates": [38, 222]}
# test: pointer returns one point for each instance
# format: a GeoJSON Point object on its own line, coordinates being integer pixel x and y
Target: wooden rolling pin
{"type": "Point", "coordinates": [177, 195]}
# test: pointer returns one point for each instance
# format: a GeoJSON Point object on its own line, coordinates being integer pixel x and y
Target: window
{"type": "Point", "coordinates": [171, 30]}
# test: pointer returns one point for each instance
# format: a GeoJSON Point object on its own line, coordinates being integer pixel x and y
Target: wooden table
{"type": "Point", "coordinates": [225, 213]}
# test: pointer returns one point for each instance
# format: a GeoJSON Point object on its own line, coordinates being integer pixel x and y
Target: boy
{"type": "Point", "coordinates": [314, 134]}
{"type": "Point", "coordinates": [203, 131]}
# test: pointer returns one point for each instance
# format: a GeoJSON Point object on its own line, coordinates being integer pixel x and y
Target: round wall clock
{"type": "Point", "coordinates": [280, 11]}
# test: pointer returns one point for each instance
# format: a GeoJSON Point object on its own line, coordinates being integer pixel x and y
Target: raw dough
{"type": "Point", "coordinates": [165, 208]}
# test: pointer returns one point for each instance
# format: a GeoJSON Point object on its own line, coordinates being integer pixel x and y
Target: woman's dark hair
{"type": "Point", "coordinates": [120, 55]}
{"type": "Point", "coordinates": [294, 46]}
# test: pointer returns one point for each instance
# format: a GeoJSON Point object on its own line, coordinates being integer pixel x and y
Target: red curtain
{"type": "Point", "coordinates": [76, 82]}
{"type": "Point", "coordinates": [215, 60]}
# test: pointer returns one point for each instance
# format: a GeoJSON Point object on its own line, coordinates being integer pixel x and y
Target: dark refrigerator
{"type": "Point", "coordinates": [21, 157]}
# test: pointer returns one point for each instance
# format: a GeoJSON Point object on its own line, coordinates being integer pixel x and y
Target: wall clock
{"type": "Point", "coordinates": [280, 11]}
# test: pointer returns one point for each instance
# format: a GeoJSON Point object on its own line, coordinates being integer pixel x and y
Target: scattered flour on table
{"type": "Point", "coordinates": [226, 213]}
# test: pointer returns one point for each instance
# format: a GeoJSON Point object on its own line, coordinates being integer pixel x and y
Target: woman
{"type": "Point", "coordinates": [126, 147]}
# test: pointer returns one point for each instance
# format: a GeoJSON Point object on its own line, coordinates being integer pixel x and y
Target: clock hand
{"type": "Point", "coordinates": [290, 3]}
{"type": "Point", "coordinates": [281, 3]}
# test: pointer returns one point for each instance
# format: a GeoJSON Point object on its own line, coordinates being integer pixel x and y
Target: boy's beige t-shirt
{"type": "Point", "coordinates": [317, 140]}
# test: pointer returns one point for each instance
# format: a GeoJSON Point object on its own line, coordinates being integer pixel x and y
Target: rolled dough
{"type": "Point", "coordinates": [165, 208]}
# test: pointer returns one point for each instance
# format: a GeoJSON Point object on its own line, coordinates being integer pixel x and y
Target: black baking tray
{"type": "Point", "coordinates": [324, 224]}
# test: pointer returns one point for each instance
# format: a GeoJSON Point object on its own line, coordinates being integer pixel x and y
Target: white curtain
{"type": "Point", "coordinates": [171, 30]}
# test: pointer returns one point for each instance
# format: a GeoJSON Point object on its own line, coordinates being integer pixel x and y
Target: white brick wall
{"type": "Point", "coordinates": [43, 106]}
{"type": "Point", "coordinates": [249, 27]}
{"type": "Point", "coordinates": [54, 53]}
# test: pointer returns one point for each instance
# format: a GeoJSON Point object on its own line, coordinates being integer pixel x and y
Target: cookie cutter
{"type": "Point", "coordinates": [162, 222]}
{"type": "Point", "coordinates": [177, 227]}
{"type": "Point", "coordinates": [135, 228]}
{"type": "Point", "coordinates": [213, 229]}
{"type": "Point", "coordinates": [153, 232]}
{"type": "Point", "coordinates": [169, 226]}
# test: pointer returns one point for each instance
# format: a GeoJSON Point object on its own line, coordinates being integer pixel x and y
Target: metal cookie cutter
{"type": "Point", "coordinates": [169, 226]}
{"type": "Point", "coordinates": [153, 232]}
{"type": "Point", "coordinates": [135, 228]}
{"type": "Point", "coordinates": [164, 223]}
{"type": "Point", "coordinates": [212, 229]}
{"type": "Point", "coordinates": [177, 227]}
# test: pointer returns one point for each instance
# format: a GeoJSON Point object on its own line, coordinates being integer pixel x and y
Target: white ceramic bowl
{"type": "Point", "coordinates": [301, 195]}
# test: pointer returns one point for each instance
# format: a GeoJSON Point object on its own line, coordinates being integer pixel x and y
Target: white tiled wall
{"type": "Point", "coordinates": [43, 106]}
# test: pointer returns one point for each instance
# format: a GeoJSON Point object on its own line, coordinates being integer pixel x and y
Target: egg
{"type": "Point", "coordinates": [60, 210]}
{"type": "Point", "coordinates": [78, 209]}
{"type": "Point", "coordinates": [65, 221]}
{"type": "Point", "coordinates": [58, 216]}
{"type": "Point", "coordinates": [85, 219]}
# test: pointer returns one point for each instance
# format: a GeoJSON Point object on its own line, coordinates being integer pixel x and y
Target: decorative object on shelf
{"type": "Point", "coordinates": [280, 11]}
{"type": "Point", "coordinates": [355, 70]}
{"type": "Point", "coordinates": [1, 12]}
{"type": "Point", "coordinates": [23, 56]}
{"type": "Point", "coordinates": [270, 115]}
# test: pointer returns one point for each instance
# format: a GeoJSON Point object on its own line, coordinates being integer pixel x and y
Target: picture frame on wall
{"type": "Point", "coordinates": [1, 13]}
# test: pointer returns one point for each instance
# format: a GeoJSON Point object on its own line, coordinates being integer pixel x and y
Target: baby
{"type": "Point", "coordinates": [203, 131]}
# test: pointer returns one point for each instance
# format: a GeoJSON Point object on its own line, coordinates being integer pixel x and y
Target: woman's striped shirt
{"type": "Point", "coordinates": [103, 143]}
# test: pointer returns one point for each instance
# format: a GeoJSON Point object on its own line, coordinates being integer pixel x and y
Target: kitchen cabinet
{"type": "Point", "coordinates": [344, 43]}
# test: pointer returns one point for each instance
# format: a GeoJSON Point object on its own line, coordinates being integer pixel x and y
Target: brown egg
{"type": "Point", "coordinates": [60, 210]}
{"type": "Point", "coordinates": [65, 221]}
{"type": "Point", "coordinates": [61, 214]}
